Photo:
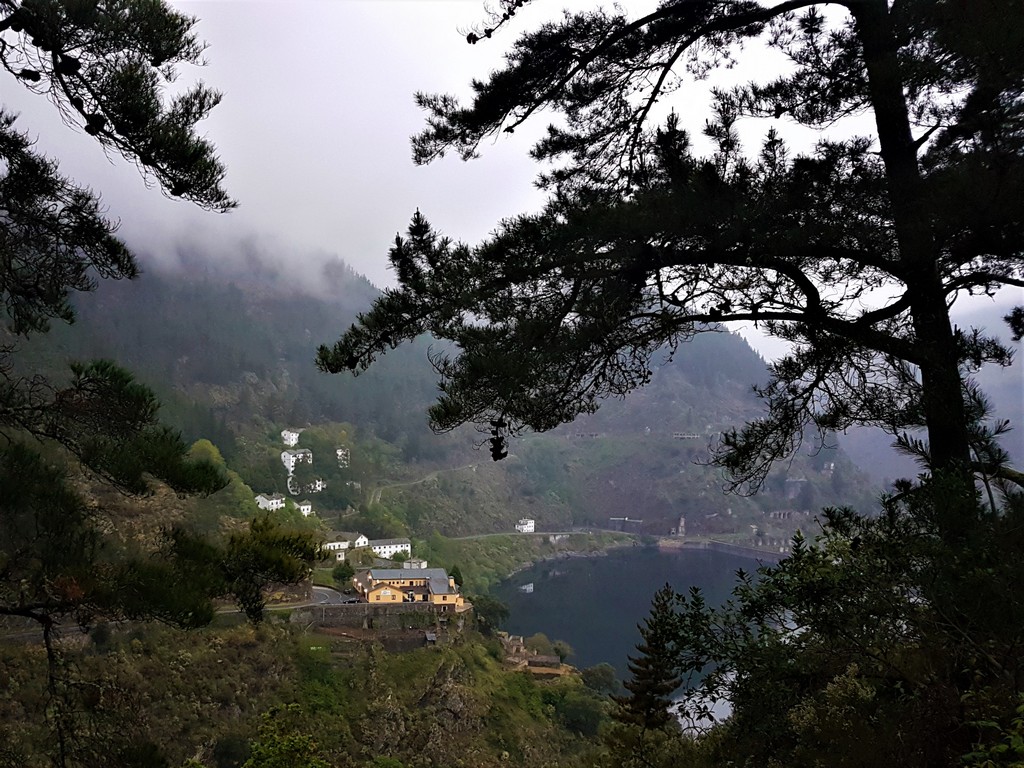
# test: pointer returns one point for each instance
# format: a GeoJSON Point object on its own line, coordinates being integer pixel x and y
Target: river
{"type": "Point", "coordinates": [595, 603]}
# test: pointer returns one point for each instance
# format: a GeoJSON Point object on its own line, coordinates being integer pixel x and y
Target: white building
{"type": "Point", "coordinates": [336, 547]}
{"type": "Point", "coordinates": [343, 540]}
{"type": "Point", "coordinates": [290, 437]}
{"type": "Point", "coordinates": [388, 548]}
{"type": "Point", "coordinates": [414, 563]}
{"type": "Point", "coordinates": [525, 525]}
{"type": "Point", "coordinates": [291, 458]}
{"type": "Point", "coordinates": [344, 457]}
{"type": "Point", "coordinates": [306, 507]}
{"type": "Point", "coordinates": [270, 501]}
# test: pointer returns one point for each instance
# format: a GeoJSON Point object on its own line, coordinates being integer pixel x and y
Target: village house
{"type": "Point", "coordinates": [270, 501]}
{"type": "Point", "coordinates": [344, 457]}
{"type": "Point", "coordinates": [525, 525]}
{"type": "Point", "coordinates": [432, 586]}
{"type": "Point", "coordinates": [290, 437]}
{"type": "Point", "coordinates": [291, 458]}
{"type": "Point", "coordinates": [342, 540]}
{"type": "Point", "coordinates": [335, 548]}
{"type": "Point", "coordinates": [388, 548]}
{"type": "Point", "coordinates": [414, 563]}
{"type": "Point", "coordinates": [306, 507]}
{"type": "Point", "coordinates": [339, 542]}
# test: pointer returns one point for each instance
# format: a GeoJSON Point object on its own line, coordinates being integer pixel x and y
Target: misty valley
{"type": "Point", "coordinates": [472, 385]}
{"type": "Point", "coordinates": [621, 504]}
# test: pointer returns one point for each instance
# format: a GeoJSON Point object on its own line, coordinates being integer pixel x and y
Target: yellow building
{"type": "Point", "coordinates": [396, 585]}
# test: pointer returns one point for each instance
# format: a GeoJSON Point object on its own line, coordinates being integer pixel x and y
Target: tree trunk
{"type": "Point", "coordinates": [942, 394]}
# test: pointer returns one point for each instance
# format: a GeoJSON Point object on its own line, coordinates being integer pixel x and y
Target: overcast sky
{"type": "Point", "coordinates": [314, 129]}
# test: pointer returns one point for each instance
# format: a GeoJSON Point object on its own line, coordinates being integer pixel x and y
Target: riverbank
{"type": "Point", "coordinates": [486, 562]}
{"type": "Point", "coordinates": [761, 554]}
{"type": "Point", "coordinates": [568, 555]}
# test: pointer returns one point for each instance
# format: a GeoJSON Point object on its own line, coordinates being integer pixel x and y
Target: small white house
{"type": "Point", "coordinates": [290, 437]}
{"type": "Point", "coordinates": [306, 507]}
{"type": "Point", "coordinates": [291, 458]}
{"type": "Point", "coordinates": [415, 563]}
{"type": "Point", "coordinates": [337, 548]}
{"type": "Point", "coordinates": [525, 525]}
{"type": "Point", "coordinates": [344, 457]}
{"type": "Point", "coordinates": [388, 548]}
{"type": "Point", "coordinates": [344, 540]}
{"type": "Point", "coordinates": [270, 501]}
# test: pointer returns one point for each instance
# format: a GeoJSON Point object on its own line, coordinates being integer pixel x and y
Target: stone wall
{"type": "Point", "coordinates": [367, 616]}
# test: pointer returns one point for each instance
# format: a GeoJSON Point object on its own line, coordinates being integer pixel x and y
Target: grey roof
{"type": "Point", "coordinates": [437, 578]}
{"type": "Point", "coordinates": [439, 584]}
{"type": "Point", "coordinates": [403, 573]}
{"type": "Point", "coordinates": [385, 542]}
{"type": "Point", "coordinates": [343, 535]}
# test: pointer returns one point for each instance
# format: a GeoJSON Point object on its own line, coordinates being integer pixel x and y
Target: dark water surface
{"type": "Point", "coordinates": [595, 603]}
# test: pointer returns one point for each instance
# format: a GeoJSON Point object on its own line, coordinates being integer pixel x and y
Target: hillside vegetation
{"type": "Point", "coordinates": [237, 367]}
{"type": "Point", "coordinates": [152, 697]}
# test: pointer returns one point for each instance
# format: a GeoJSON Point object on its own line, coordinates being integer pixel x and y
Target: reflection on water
{"type": "Point", "coordinates": [595, 603]}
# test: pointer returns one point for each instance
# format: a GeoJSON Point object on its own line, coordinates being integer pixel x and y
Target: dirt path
{"type": "Point", "coordinates": [376, 493]}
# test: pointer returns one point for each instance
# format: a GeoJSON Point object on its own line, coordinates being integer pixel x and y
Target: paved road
{"type": "Point", "coordinates": [328, 596]}
{"type": "Point", "coordinates": [517, 533]}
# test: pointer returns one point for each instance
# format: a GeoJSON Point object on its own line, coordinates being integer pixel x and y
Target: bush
{"type": "Point", "coordinates": [342, 573]}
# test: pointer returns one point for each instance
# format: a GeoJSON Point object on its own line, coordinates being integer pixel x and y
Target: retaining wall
{"type": "Point", "coordinates": [367, 616]}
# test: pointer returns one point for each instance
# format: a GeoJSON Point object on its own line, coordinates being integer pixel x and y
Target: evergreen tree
{"type": "Point", "coordinates": [653, 672]}
{"type": "Point", "coordinates": [882, 642]}
{"type": "Point", "coordinates": [105, 66]}
{"type": "Point", "coordinates": [456, 574]}
{"type": "Point", "coordinates": [645, 733]}
{"type": "Point", "coordinates": [644, 242]}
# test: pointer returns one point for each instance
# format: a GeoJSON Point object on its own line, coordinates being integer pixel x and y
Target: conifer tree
{"type": "Point", "coordinates": [852, 251]}
{"type": "Point", "coordinates": [106, 66]}
{"type": "Point", "coordinates": [654, 675]}
{"type": "Point", "coordinates": [645, 733]}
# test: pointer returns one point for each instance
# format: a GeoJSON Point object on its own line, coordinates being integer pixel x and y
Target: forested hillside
{"type": "Point", "coordinates": [230, 352]}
